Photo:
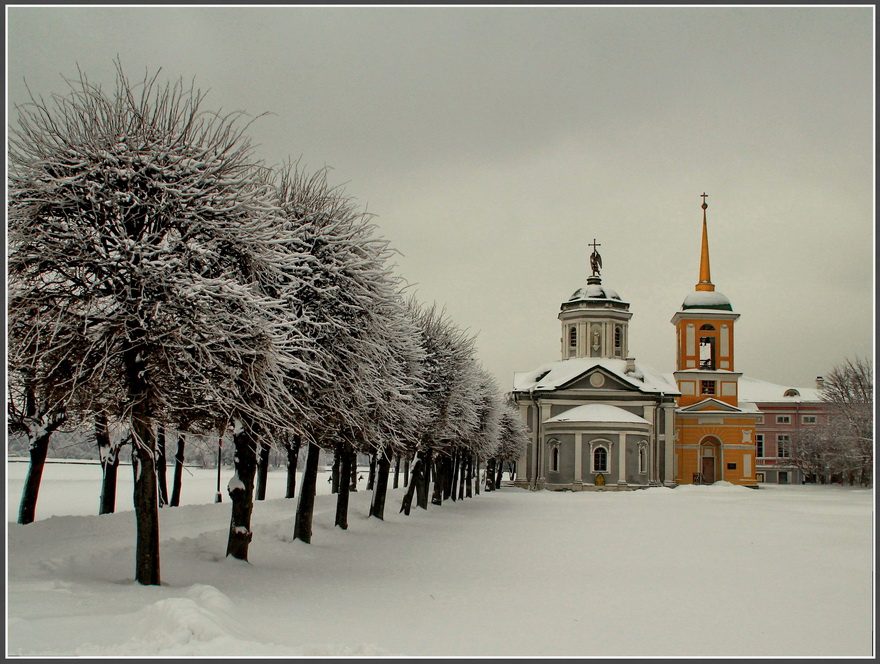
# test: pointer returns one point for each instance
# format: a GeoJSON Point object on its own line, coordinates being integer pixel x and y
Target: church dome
{"type": "Point", "coordinates": [706, 299]}
{"type": "Point", "coordinates": [594, 292]}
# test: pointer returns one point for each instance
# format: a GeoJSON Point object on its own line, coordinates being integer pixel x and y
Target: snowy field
{"type": "Point", "coordinates": [692, 571]}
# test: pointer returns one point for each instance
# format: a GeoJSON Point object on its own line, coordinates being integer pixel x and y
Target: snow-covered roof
{"type": "Point", "coordinates": [711, 300]}
{"type": "Point", "coordinates": [596, 412]}
{"type": "Point", "coordinates": [752, 389]}
{"type": "Point", "coordinates": [759, 391]}
{"type": "Point", "coordinates": [552, 376]}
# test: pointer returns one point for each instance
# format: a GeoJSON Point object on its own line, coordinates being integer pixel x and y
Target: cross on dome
{"type": "Point", "coordinates": [595, 258]}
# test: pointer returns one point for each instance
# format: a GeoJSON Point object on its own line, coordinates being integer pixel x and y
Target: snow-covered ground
{"type": "Point", "coordinates": [717, 571]}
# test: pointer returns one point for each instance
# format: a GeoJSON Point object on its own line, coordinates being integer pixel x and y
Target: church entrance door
{"type": "Point", "coordinates": [708, 470]}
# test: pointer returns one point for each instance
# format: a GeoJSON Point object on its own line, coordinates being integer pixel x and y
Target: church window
{"type": "Point", "coordinates": [554, 458]}
{"type": "Point", "coordinates": [759, 445]}
{"type": "Point", "coordinates": [643, 459]}
{"type": "Point", "coordinates": [791, 393]}
{"type": "Point", "coordinates": [618, 340]}
{"type": "Point", "coordinates": [573, 337]}
{"type": "Point", "coordinates": [707, 387]}
{"type": "Point", "coordinates": [600, 460]}
{"type": "Point", "coordinates": [783, 444]}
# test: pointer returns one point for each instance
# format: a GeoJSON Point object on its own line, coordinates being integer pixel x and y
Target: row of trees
{"type": "Point", "coordinates": [161, 277]}
{"type": "Point", "coordinates": [841, 448]}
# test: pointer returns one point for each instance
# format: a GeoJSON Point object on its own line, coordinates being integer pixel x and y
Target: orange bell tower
{"type": "Point", "coordinates": [715, 438]}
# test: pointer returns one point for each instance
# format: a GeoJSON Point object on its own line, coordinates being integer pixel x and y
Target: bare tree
{"type": "Point", "coordinates": [848, 390]}
{"type": "Point", "coordinates": [139, 240]}
{"type": "Point", "coordinates": [450, 378]}
{"type": "Point", "coordinates": [36, 413]}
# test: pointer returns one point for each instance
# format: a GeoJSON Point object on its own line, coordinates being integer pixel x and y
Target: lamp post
{"type": "Point", "coordinates": [218, 498]}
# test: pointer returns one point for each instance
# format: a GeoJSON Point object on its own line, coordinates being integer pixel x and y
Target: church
{"type": "Point", "coordinates": [600, 420]}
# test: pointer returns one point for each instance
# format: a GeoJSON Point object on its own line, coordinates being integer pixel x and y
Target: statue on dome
{"type": "Point", "coordinates": [595, 259]}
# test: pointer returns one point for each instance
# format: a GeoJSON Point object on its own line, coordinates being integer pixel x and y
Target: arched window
{"type": "Point", "coordinates": [600, 460]}
{"type": "Point", "coordinates": [554, 458]}
{"type": "Point", "coordinates": [618, 339]}
{"type": "Point", "coordinates": [791, 393]}
{"type": "Point", "coordinates": [643, 459]}
{"type": "Point", "coordinates": [573, 337]}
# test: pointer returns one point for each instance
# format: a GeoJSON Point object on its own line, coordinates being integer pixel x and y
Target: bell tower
{"type": "Point", "coordinates": [704, 339]}
{"type": "Point", "coordinates": [715, 438]}
{"type": "Point", "coordinates": [595, 321]}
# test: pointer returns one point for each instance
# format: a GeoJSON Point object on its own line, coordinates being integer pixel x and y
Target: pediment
{"type": "Point", "coordinates": [710, 404]}
{"type": "Point", "coordinates": [598, 378]}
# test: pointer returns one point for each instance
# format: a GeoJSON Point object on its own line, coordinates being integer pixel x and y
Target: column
{"type": "Point", "coordinates": [543, 414]}
{"type": "Point", "coordinates": [669, 474]}
{"type": "Point", "coordinates": [524, 469]}
{"type": "Point", "coordinates": [578, 458]}
{"type": "Point", "coordinates": [650, 414]}
{"type": "Point", "coordinates": [621, 456]}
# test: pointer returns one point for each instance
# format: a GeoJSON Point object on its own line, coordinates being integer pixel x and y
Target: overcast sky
{"type": "Point", "coordinates": [493, 144]}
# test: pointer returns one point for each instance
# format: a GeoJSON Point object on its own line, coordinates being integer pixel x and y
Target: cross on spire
{"type": "Point", "coordinates": [595, 259]}
{"type": "Point", "coordinates": [704, 196]}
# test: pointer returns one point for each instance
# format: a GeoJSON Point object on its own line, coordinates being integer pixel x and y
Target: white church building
{"type": "Point", "coordinates": [598, 417]}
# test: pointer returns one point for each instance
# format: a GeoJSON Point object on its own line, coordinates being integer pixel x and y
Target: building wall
{"type": "Point", "coordinates": [736, 448]}
{"type": "Point", "coordinates": [771, 466]}
{"type": "Point", "coordinates": [565, 475]}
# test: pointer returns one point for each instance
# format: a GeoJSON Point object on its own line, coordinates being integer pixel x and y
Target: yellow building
{"type": "Point", "coordinates": [714, 434]}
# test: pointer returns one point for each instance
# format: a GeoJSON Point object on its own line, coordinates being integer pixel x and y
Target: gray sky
{"type": "Point", "coordinates": [493, 144]}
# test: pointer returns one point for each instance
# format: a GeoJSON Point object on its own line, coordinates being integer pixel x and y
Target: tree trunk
{"type": "Point", "coordinates": [490, 474]}
{"type": "Point", "coordinates": [439, 480]}
{"type": "Point", "coordinates": [334, 473]}
{"type": "Point", "coordinates": [178, 470]}
{"type": "Point", "coordinates": [39, 449]}
{"type": "Point", "coordinates": [406, 504]}
{"type": "Point", "coordinates": [143, 455]}
{"type": "Point", "coordinates": [406, 472]}
{"type": "Point", "coordinates": [448, 472]}
{"type": "Point", "coordinates": [461, 477]}
{"type": "Point", "coordinates": [109, 457]}
{"type": "Point", "coordinates": [146, 497]}
{"type": "Point", "coordinates": [292, 461]}
{"type": "Point", "coordinates": [241, 493]}
{"type": "Point", "coordinates": [422, 485]}
{"type": "Point", "coordinates": [344, 488]}
{"type": "Point", "coordinates": [396, 472]}
{"type": "Point", "coordinates": [262, 472]}
{"type": "Point", "coordinates": [354, 473]}
{"type": "Point", "coordinates": [371, 479]}
{"type": "Point", "coordinates": [456, 470]}
{"type": "Point", "coordinates": [302, 527]}
{"type": "Point", "coordinates": [377, 506]}
{"type": "Point", "coordinates": [477, 478]}
{"type": "Point", "coordinates": [161, 465]}
{"type": "Point", "coordinates": [468, 483]}
{"type": "Point", "coordinates": [500, 467]}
